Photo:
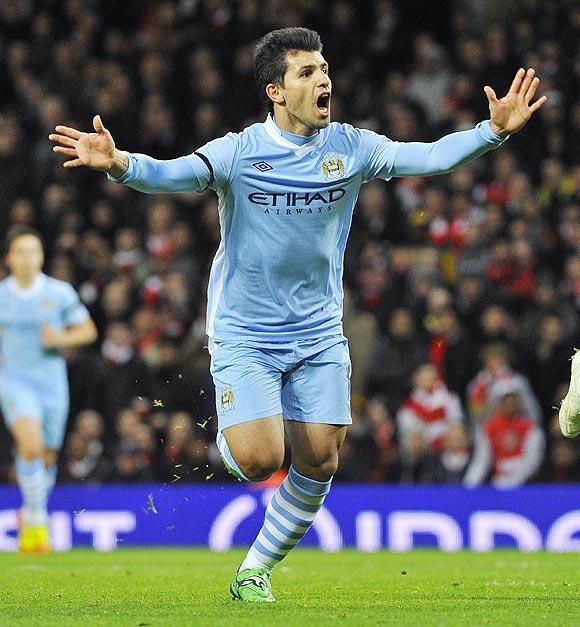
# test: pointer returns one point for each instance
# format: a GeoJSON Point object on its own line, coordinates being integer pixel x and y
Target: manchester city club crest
{"type": "Point", "coordinates": [333, 167]}
{"type": "Point", "coordinates": [227, 398]}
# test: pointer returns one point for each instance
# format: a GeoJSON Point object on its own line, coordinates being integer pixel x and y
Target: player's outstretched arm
{"type": "Point", "coordinates": [92, 150]}
{"type": "Point", "coordinates": [509, 114]}
{"type": "Point", "coordinates": [191, 173]}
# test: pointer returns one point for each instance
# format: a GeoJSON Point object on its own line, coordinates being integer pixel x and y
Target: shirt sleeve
{"type": "Point", "coordinates": [445, 154]}
{"type": "Point", "coordinates": [209, 166]}
{"type": "Point", "coordinates": [378, 154]}
{"type": "Point", "coordinates": [73, 311]}
{"type": "Point", "coordinates": [219, 156]}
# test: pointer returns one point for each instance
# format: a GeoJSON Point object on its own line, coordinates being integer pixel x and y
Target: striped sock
{"type": "Point", "coordinates": [288, 517]}
{"type": "Point", "coordinates": [32, 481]}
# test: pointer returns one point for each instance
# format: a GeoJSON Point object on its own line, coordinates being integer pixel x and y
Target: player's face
{"type": "Point", "coordinates": [306, 92]}
{"type": "Point", "coordinates": [25, 256]}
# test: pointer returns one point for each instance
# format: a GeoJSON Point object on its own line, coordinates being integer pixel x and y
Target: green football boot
{"type": "Point", "coordinates": [252, 584]}
{"type": "Point", "coordinates": [231, 470]}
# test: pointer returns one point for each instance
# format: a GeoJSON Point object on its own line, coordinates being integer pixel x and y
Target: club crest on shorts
{"type": "Point", "coordinates": [227, 398]}
{"type": "Point", "coordinates": [333, 166]}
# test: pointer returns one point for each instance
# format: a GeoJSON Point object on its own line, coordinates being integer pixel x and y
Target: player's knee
{"type": "Point", "coordinates": [327, 468]}
{"type": "Point", "coordinates": [30, 451]}
{"type": "Point", "coordinates": [49, 458]}
{"type": "Point", "coordinates": [321, 467]}
{"type": "Point", "coordinates": [261, 466]}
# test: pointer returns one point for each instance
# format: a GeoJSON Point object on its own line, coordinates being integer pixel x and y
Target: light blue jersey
{"type": "Point", "coordinates": [285, 213]}
{"type": "Point", "coordinates": [23, 312]}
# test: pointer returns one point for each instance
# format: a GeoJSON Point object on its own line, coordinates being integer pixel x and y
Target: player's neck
{"type": "Point", "coordinates": [25, 281]}
{"type": "Point", "coordinates": [291, 124]}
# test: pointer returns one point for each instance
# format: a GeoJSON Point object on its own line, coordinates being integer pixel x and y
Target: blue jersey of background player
{"type": "Point", "coordinates": [38, 316]}
{"type": "Point", "coordinates": [286, 189]}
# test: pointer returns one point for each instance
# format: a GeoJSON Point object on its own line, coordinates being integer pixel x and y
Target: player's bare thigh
{"type": "Point", "coordinates": [27, 433]}
{"type": "Point", "coordinates": [257, 446]}
{"type": "Point", "coordinates": [315, 448]}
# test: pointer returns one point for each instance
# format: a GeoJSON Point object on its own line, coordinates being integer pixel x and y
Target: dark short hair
{"type": "Point", "coordinates": [270, 63]}
{"type": "Point", "coordinates": [19, 231]}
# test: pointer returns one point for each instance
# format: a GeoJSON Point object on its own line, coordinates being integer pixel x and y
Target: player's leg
{"type": "Point", "coordinates": [569, 415]}
{"type": "Point", "coordinates": [300, 496]}
{"type": "Point", "coordinates": [56, 405]}
{"type": "Point", "coordinates": [22, 410]}
{"type": "Point", "coordinates": [315, 448]}
{"type": "Point", "coordinates": [248, 383]}
{"type": "Point", "coordinates": [258, 448]}
{"type": "Point", "coordinates": [50, 457]}
{"type": "Point", "coordinates": [31, 477]}
{"type": "Point", "coordinates": [250, 435]}
{"type": "Point", "coordinates": [255, 447]}
{"type": "Point", "coordinates": [317, 408]}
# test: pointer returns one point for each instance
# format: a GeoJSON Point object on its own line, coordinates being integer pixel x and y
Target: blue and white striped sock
{"type": "Point", "coordinates": [288, 517]}
{"type": "Point", "coordinates": [32, 481]}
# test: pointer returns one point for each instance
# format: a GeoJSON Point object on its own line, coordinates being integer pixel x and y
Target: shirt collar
{"type": "Point", "coordinates": [276, 134]}
{"type": "Point", "coordinates": [31, 290]}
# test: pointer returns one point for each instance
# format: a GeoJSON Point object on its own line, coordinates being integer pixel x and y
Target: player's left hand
{"type": "Point", "coordinates": [51, 338]}
{"type": "Point", "coordinates": [511, 112]}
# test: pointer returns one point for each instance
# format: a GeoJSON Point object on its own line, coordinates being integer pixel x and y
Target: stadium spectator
{"type": "Point", "coordinates": [426, 415]}
{"type": "Point", "coordinates": [134, 451]}
{"type": "Point", "coordinates": [398, 352]}
{"type": "Point", "coordinates": [451, 351]}
{"type": "Point", "coordinates": [451, 465]}
{"type": "Point", "coordinates": [484, 391]}
{"type": "Point", "coordinates": [122, 375]}
{"type": "Point", "coordinates": [510, 444]}
{"type": "Point", "coordinates": [83, 456]}
{"type": "Point", "coordinates": [361, 330]}
{"type": "Point", "coordinates": [551, 357]}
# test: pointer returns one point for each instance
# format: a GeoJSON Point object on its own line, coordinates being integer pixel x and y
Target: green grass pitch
{"type": "Point", "coordinates": [190, 587]}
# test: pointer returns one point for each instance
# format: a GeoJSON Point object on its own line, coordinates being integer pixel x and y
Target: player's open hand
{"type": "Point", "coordinates": [93, 150]}
{"type": "Point", "coordinates": [51, 338]}
{"type": "Point", "coordinates": [511, 112]}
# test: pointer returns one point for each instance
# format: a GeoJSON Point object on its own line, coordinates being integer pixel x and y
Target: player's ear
{"type": "Point", "coordinates": [274, 93]}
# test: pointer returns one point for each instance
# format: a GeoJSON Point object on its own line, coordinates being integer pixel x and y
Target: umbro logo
{"type": "Point", "coordinates": [262, 166]}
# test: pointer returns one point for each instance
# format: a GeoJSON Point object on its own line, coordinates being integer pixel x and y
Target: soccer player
{"type": "Point", "coordinates": [39, 316]}
{"type": "Point", "coordinates": [569, 414]}
{"type": "Point", "coordinates": [287, 188]}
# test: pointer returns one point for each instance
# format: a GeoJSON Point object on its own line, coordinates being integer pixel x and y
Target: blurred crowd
{"type": "Point", "coordinates": [462, 292]}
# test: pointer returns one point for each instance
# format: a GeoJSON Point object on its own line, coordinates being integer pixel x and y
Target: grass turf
{"type": "Point", "coordinates": [190, 587]}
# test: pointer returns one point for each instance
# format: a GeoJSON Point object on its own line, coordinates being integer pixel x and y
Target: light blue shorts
{"type": "Point", "coordinates": [21, 398]}
{"type": "Point", "coordinates": [307, 381]}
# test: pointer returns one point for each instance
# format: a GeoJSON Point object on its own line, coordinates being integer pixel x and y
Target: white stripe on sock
{"type": "Point", "coordinates": [307, 517]}
{"type": "Point", "coordinates": [278, 534]}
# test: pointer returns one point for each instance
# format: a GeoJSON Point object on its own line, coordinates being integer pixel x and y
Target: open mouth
{"type": "Point", "coordinates": [323, 104]}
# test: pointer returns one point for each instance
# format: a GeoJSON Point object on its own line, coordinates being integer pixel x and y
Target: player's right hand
{"type": "Point", "coordinates": [50, 337]}
{"type": "Point", "coordinates": [93, 150]}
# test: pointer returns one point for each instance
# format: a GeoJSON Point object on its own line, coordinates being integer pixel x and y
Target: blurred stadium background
{"type": "Point", "coordinates": [462, 291]}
